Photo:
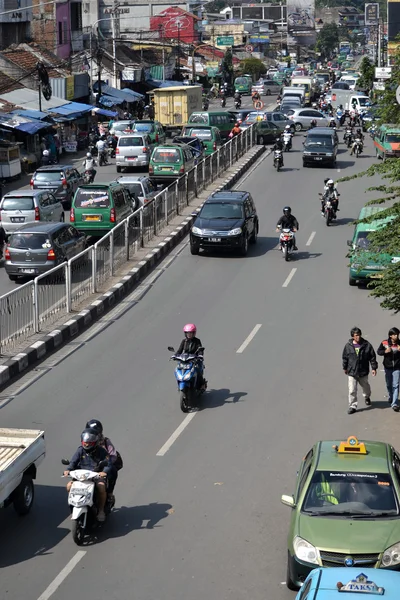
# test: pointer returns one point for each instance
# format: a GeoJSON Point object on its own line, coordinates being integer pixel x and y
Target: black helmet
{"type": "Point", "coordinates": [287, 210]}
{"type": "Point", "coordinates": [96, 425]}
{"type": "Point", "coordinates": [91, 438]}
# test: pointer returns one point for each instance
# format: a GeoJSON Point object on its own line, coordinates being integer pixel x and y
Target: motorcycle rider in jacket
{"type": "Point", "coordinates": [190, 345]}
{"type": "Point", "coordinates": [330, 191]}
{"type": "Point", "coordinates": [288, 221]}
{"type": "Point", "coordinates": [107, 444]}
{"type": "Point", "coordinates": [89, 163]}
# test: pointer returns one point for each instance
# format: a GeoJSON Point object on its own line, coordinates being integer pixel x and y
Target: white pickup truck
{"type": "Point", "coordinates": [21, 451]}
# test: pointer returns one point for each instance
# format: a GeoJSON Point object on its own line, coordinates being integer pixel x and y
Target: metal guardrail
{"type": "Point", "coordinates": [36, 305]}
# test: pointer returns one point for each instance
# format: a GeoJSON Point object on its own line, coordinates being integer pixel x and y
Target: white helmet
{"type": "Point", "coordinates": [287, 128]}
{"type": "Point", "coordinates": [330, 182]}
{"type": "Point", "coordinates": [46, 153]}
{"type": "Point", "coordinates": [88, 155]}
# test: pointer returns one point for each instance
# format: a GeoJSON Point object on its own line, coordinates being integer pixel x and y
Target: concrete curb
{"type": "Point", "coordinates": [37, 351]}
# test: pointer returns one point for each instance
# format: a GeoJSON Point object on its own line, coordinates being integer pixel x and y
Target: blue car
{"type": "Point", "coordinates": [350, 583]}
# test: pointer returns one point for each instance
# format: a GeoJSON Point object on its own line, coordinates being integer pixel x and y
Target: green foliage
{"type": "Point", "coordinates": [389, 110]}
{"type": "Point", "coordinates": [328, 40]}
{"type": "Point", "coordinates": [253, 66]}
{"type": "Point", "coordinates": [367, 70]}
{"type": "Point", "coordinates": [227, 66]}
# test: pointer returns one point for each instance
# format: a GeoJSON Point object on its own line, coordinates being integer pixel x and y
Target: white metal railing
{"type": "Point", "coordinates": [36, 305]}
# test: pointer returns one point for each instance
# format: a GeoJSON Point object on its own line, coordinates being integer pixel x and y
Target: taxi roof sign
{"type": "Point", "coordinates": [352, 446]}
{"type": "Point", "coordinates": [362, 585]}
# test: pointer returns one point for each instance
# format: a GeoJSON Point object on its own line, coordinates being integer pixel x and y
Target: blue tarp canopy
{"type": "Point", "coordinates": [72, 108]}
{"type": "Point", "coordinates": [161, 84]}
{"type": "Point", "coordinates": [22, 123]}
{"type": "Point", "coordinates": [110, 100]}
{"type": "Point", "coordinates": [125, 95]}
{"type": "Point", "coordinates": [30, 114]}
{"type": "Point", "coordinates": [105, 113]}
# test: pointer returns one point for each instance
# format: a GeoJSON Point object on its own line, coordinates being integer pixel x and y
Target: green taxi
{"type": "Point", "coordinates": [345, 509]}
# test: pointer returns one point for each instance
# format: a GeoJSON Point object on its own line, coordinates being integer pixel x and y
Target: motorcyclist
{"type": "Point", "coordinates": [279, 146]}
{"type": "Point", "coordinates": [288, 131]}
{"type": "Point", "coordinates": [358, 136]}
{"type": "Point", "coordinates": [101, 147]}
{"type": "Point", "coordinates": [114, 456]}
{"type": "Point", "coordinates": [313, 124]}
{"type": "Point", "coordinates": [235, 130]}
{"type": "Point", "coordinates": [255, 96]}
{"type": "Point", "coordinates": [190, 345]}
{"type": "Point", "coordinates": [46, 158]}
{"type": "Point", "coordinates": [332, 122]}
{"type": "Point", "coordinates": [288, 221]}
{"type": "Point", "coordinates": [331, 193]}
{"type": "Point", "coordinates": [89, 456]}
{"type": "Point", "coordinates": [238, 97]}
{"type": "Point", "coordinates": [89, 163]}
{"type": "Point", "coordinates": [340, 113]}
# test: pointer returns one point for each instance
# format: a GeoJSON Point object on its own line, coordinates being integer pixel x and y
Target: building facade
{"type": "Point", "coordinates": [176, 23]}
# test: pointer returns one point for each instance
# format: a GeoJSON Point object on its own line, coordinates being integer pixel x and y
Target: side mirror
{"type": "Point", "coordinates": [171, 349]}
{"type": "Point", "coordinates": [349, 243]}
{"type": "Point", "coordinates": [288, 501]}
{"type": "Point", "coordinates": [64, 461]}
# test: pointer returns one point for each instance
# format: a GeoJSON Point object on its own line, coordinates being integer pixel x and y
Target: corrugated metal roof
{"type": "Point", "coordinates": [30, 99]}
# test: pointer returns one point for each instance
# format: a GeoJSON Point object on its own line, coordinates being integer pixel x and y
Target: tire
{"type": "Point", "coordinates": [289, 583]}
{"type": "Point", "coordinates": [13, 278]}
{"type": "Point", "coordinates": [352, 281]}
{"type": "Point", "coordinates": [298, 126]}
{"type": "Point", "coordinates": [245, 245]}
{"type": "Point", "coordinates": [23, 496]}
{"type": "Point", "coordinates": [78, 533]}
{"type": "Point", "coordinates": [253, 239]}
{"type": "Point", "coordinates": [118, 169]}
{"type": "Point", "coordinates": [285, 252]}
{"type": "Point", "coordinates": [327, 218]}
{"type": "Point", "coordinates": [194, 249]}
{"type": "Point", "coordinates": [183, 402]}
{"type": "Point", "coordinates": [305, 165]}
{"type": "Point", "coordinates": [62, 218]}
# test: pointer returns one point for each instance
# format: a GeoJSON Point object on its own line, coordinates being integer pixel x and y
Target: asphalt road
{"type": "Point", "coordinates": [199, 516]}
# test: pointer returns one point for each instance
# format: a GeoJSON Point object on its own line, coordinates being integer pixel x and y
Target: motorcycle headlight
{"type": "Point", "coordinates": [188, 375]}
{"type": "Point", "coordinates": [305, 551]}
{"type": "Point", "coordinates": [197, 231]}
{"type": "Point", "coordinates": [236, 231]}
{"type": "Point", "coordinates": [391, 556]}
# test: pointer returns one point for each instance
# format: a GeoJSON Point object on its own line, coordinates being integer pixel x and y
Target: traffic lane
{"type": "Point", "coordinates": [103, 386]}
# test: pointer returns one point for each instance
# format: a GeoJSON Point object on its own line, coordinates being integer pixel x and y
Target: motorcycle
{"type": "Point", "coordinates": [329, 211]}
{"type": "Point", "coordinates": [349, 140]}
{"type": "Point", "coordinates": [286, 242]}
{"type": "Point", "coordinates": [278, 160]}
{"type": "Point", "coordinates": [358, 146]}
{"type": "Point", "coordinates": [88, 176]}
{"type": "Point", "coordinates": [186, 374]}
{"type": "Point", "coordinates": [287, 142]}
{"type": "Point", "coordinates": [238, 104]}
{"type": "Point", "coordinates": [223, 101]}
{"type": "Point", "coordinates": [103, 158]}
{"type": "Point", "coordinates": [82, 503]}
{"type": "Point", "coordinates": [206, 104]}
{"type": "Point", "coordinates": [111, 149]}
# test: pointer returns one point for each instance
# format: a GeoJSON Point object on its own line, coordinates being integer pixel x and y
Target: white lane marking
{"type": "Point", "coordinates": [55, 584]}
{"type": "Point", "coordinates": [164, 449]}
{"type": "Point", "coordinates": [248, 339]}
{"type": "Point", "coordinates": [289, 277]}
{"type": "Point", "coordinates": [310, 239]}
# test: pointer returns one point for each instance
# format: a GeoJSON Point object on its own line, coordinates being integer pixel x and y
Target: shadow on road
{"type": "Point", "coordinates": [345, 164]}
{"type": "Point", "coordinates": [125, 519]}
{"type": "Point", "coordinates": [380, 405]}
{"type": "Point", "coordinates": [215, 398]}
{"type": "Point", "coordinates": [306, 255]}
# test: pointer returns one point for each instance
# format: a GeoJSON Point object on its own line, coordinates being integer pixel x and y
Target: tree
{"type": "Point", "coordinates": [227, 66]}
{"type": "Point", "coordinates": [388, 109]}
{"type": "Point", "coordinates": [253, 66]}
{"type": "Point", "coordinates": [328, 40]}
{"type": "Point", "coordinates": [367, 77]}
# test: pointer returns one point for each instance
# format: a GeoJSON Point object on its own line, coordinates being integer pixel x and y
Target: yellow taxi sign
{"type": "Point", "coordinates": [352, 446]}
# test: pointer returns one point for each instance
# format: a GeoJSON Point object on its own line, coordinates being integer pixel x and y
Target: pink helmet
{"type": "Point", "coordinates": [190, 328]}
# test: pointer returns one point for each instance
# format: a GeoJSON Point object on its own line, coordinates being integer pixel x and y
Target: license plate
{"type": "Point", "coordinates": [167, 168]}
{"type": "Point", "coordinates": [131, 157]}
{"type": "Point", "coordinates": [214, 239]}
{"type": "Point", "coordinates": [317, 158]}
{"type": "Point", "coordinates": [92, 218]}
{"type": "Point", "coordinates": [17, 219]}
{"type": "Point", "coordinates": [28, 271]}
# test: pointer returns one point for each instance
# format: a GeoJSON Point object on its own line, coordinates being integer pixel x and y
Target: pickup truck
{"type": "Point", "coordinates": [21, 451]}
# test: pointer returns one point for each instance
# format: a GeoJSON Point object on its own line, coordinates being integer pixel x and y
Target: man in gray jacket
{"type": "Point", "coordinates": [358, 355]}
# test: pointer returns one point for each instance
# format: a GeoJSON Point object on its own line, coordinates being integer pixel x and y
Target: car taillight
{"type": "Point", "coordinates": [182, 170]}
{"type": "Point", "coordinates": [145, 150]}
{"type": "Point", "coordinates": [116, 150]}
{"type": "Point", "coordinates": [151, 170]}
{"type": "Point", "coordinates": [31, 184]}
{"type": "Point", "coordinates": [51, 255]}
{"type": "Point", "coordinates": [291, 117]}
{"type": "Point", "coordinates": [157, 138]}
{"type": "Point", "coordinates": [64, 183]}
{"type": "Point", "coordinates": [145, 200]}
{"type": "Point", "coordinates": [112, 215]}
{"type": "Point", "coordinates": [37, 213]}
{"type": "Point", "coordinates": [72, 216]}
{"type": "Point", "coordinates": [214, 146]}
{"type": "Point", "coordinates": [7, 254]}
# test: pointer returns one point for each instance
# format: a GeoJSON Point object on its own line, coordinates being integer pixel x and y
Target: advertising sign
{"type": "Point", "coordinates": [371, 14]}
{"type": "Point", "coordinates": [259, 39]}
{"type": "Point", "coordinates": [383, 72]}
{"type": "Point", "coordinates": [225, 40]}
{"type": "Point", "coordinates": [393, 8]}
{"type": "Point", "coordinates": [301, 22]}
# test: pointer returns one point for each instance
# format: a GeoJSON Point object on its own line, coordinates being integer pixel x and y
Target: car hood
{"type": "Point", "coordinates": [349, 536]}
{"type": "Point", "coordinates": [218, 224]}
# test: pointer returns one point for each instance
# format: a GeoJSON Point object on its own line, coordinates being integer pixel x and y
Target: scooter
{"type": "Point", "coordinates": [358, 147]}
{"type": "Point", "coordinates": [186, 373]}
{"type": "Point", "coordinates": [103, 158]}
{"type": "Point", "coordinates": [286, 243]}
{"type": "Point", "coordinates": [88, 176]}
{"type": "Point", "coordinates": [223, 101]}
{"type": "Point", "coordinates": [82, 503]}
{"type": "Point", "coordinates": [278, 160]}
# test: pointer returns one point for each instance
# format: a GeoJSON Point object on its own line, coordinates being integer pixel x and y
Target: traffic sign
{"type": "Point", "coordinates": [258, 104]}
{"type": "Point", "coordinates": [383, 72]}
{"type": "Point", "coordinates": [225, 40]}
{"type": "Point", "coordinates": [398, 95]}
{"type": "Point", "coordinates": [249, 48]}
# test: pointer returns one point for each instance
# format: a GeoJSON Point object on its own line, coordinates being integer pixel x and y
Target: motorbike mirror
{"type": "Point", "coordinates": [64, 461]}
{"type": "Point", "coordinates": [319, 194]}
{"type": "Point", "coordinates": [349, 243]}
{"type": "Point", "coordinates": [171, 349]}
{"type": "Point", "coordinates": [201, 349]}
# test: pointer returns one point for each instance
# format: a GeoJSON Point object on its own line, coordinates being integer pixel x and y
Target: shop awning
{"type": "Point", "coordinates": [22, 124]}
{"type": "Point", "coordinates": [30, 114]}
{"type": "Point", "coordinates": [125, 95]}
{"type": "Point", "coordinates": [104, 112]}
{"type": "Point", "coordinates": [29, 99]}
{"type": "Point", "coordinates": [110, 101]}
{"type": "Point", "coordinates": [72, 109]}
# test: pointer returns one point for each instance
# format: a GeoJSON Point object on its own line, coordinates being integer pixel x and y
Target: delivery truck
{"type": "Point", "coordinates": [347, 99]}
{"type": "Point", "coordinates": [174, 105]}
{"type": "Point", "coordinates": [21, 452]}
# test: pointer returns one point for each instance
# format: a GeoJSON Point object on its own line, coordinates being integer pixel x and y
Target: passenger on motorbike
{"type": "Point", "coordinates": [288, 221]}
{"type": "Point", "coordinates": [89, 163]}
{"type": "Point", "coordinates": [358, 136]}
{"type": "Point", "coordinates": [330, 193]}
{"type": "Point", "coordinates": [101, 147]}
{"type": "Point", "coordinates": [107, 444]}
{"type": "Point", "coordinates": [190, 345]}
{"type": "Point", "coordinates": [89, 456]}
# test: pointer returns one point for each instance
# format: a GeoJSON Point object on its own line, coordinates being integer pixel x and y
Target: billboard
{"type": "Point", "coordinates": [371, 14]}
{"type": "Point", "coordinates": [301, 22]}
{"type": "Point", "coordinates": [393, 19]}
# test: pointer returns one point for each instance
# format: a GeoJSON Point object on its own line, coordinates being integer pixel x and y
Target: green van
{"type": "Point", "coordinates": [210, 136]}
{"type": "Point", "coordinates": [387, 141]}
{"type": "Point", "coordinates": [99, 207]}
{"type": "Point", "coordinates": [171, 161]}
{"type": "Point", "coordinates": [243, 84]}
{"type": "Point", "coordinates": [221, 119]}
{"type": "Point", "coordinates": [363, 266]}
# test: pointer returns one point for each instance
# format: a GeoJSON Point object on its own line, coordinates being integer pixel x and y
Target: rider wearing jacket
{"type": "Point", "coordinates": [89, 163]}
{"type": "Point", "coordinates": [330, 192]}
{"type": "Point", "coordinates": [190, 345]}
{"type": "Point", "coordinates": [107, 444]}
{"type": "Point", "coordinates": [358, 136]}
{"type": "Point", "coordinates": [288, 221]}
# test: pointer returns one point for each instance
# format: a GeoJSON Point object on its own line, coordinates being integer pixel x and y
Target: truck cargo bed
{"type": "Point", "coordinates": [13, 442]}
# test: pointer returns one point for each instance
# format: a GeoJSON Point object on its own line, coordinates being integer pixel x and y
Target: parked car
{"type": "Point", "coordinates": [302, 118]}
{"type": "Point", "coordinates": [141, 188]}
{"type": "Point", "coordinates": [35, 249]}
{"type": "Point", "coordinates": [133, 150]}
{"type": "Point", "coordinates": [60, 180]}
{"type": "Point", "coordinates": [170, 161]}
{"type": "Point", "coordinates": [227, 220]}
{"type": "Point", "coordinates": [153, 129]}
{"type": "Point", "coordinates": [29, 206]}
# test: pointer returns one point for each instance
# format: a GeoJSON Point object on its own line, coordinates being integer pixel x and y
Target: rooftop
{"type": "Point", "coordinates": [375, 461]}
{"type": "Point", "coordinates": [26, 56]}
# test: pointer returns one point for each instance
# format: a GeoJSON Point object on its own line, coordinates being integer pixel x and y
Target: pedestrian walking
{"type": "Point", "coordinates": [390, 350]}
{"type": "Point", "coordinates": [357, 356]}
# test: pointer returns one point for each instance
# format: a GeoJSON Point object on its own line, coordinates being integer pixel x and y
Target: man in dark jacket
{"type": "Point", "coordinates": [358, 355]}
{"type": "Point", "coordinates": [390, 350]}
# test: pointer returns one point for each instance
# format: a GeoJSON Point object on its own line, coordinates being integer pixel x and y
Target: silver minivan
{"type": "Point", "coordinates": [120, 127]}
{"type": "Point", "coordinates": [24, 207]}
{"type": "Point", "coordinates": [133, 150]}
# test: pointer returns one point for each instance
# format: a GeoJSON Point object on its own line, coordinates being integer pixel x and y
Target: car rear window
{"type": "Point", "coordinates": [92, 198]}
{"type": "Point", "coordinates": [122, 126]}
{"type": "Point", "coordinates": [48, 176]}
{"type": "Point", "coordinates": [134, 188]}
{"type": "Point", "coordinates": [203, 134]}
{"type": "Point", "coordinates": [18, 203]}
{"type": "Point", "coordinates": [130, 141]}
{"type": "Point", "coordinates": [29, 241]}
{"type": "Point", "coordinates": [199, 118]}
{"type": "Point", "coordinates": [164, 155]}
{"type": "Point", "coordinates": [143, 127]}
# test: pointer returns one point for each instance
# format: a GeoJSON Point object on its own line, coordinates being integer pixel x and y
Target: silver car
{"type": "Point", "coordinates": [120, 127]}
{"type": "Point", "coordinates": [133, 150]}
{"type": "Point", "coordinates": [141, 188]}
{"type": "Point", "coordinates": [302, 118]}
{"type": "Point", "coordinates": [23, 207]}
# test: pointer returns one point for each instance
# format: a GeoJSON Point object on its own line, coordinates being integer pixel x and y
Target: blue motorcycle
{"type": "Point", "coordinates": [189, 369]}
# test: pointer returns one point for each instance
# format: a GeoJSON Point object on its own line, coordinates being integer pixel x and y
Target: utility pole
{"type": "Point", "coordinates": [40, 96]}
{"type": "Point", "coordinates": [179, 51]}
{"type": "Point", "coordinates": [115, 35]}
{"type": "Point", "coordinates": [161, 28]}
{"type": "Point", "coordinates": [99, 55]}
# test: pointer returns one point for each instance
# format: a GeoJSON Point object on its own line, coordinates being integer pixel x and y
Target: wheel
{"type": "Point", "coordinates": [77, 530]}
{"type": "Point", "coordinates": [352, 281]}
{"type": "Point", "coordinates": [327, 218]}
{"type": "Point", "coordinates": [118, 169]}
{"type": "Point", "coordinates": [245, 245]}
{"type": "Point", "coordinates": [12, 277]}
{"type": "Point", "coordinates": [285, 252]}
{"type": "Point", "coordinates": [62, 218]}
{"type": "Point", "coordinates": [298, 127]}
{"type": "Point", "coordinates": [289, 583]}
{"type": "Point", "coordinates": [184, 403]}
{"type": "Point", "coordinates": [194, 249]}
{"type": "Point", "coordinates": [23, 496]}
{"type": "Point", "coordinates": [253, 239]}
{"type": "Point", "coordinates": [268, 93]}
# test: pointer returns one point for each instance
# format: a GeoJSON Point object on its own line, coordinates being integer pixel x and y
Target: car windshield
{"type": "Point", "coordinates": [148, 127]}
{"type": "Point", "coordinates": [319, 141]}
{"type": "Point", "coordinates": [122, 126]}
{"type": "Point", "coordinates": [29, 241]}
{"type": "Point", "coordinates": [92, 198]}
{"type": "Point", "coordinates": [163, 155]}
{"type": "Point", "coordinates": [204, 134]}
{"type": "Point", "coordinates": [222, 210]}
{"type": "Point", "coordinates": [130, 141]}
{"type": "Point", "coordinates": [199, 118]}
{"type": "Point", "coordinates": [364, 101]}
{"type": "Point", "coordinates": [48, 176]}
{"type": "Point", "coordinates": [353, 494]}
{"type": "Point", "coordinates": [362, 240]}
{"type": "Point", "coordinates": [393, 138]}
{"type": "Point", "coordinates": [17, 203]}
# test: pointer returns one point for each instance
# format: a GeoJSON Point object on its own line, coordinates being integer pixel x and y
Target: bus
{"type": "Point", "coordinates": [344, 48]}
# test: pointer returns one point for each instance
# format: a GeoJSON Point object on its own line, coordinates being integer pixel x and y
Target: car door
{"type": "Point", "coordinates": [45, 207]}
{"type": "Point", "coordinates": [77, 241]}
{"type": "Point", "coordinates": [248, 218]}
{"type": "Point", "coordinates": [56, 208]}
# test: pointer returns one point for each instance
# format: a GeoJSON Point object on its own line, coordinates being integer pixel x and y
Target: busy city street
{"type": "Point", "coordinates": [198, 511]}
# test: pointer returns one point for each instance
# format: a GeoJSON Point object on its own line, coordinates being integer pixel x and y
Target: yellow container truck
{"type": "Point", "coordinates": [174, 105]}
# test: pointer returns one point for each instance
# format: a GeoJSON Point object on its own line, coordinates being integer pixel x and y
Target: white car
{"type": "Point", "coordinates": [302, 118]}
